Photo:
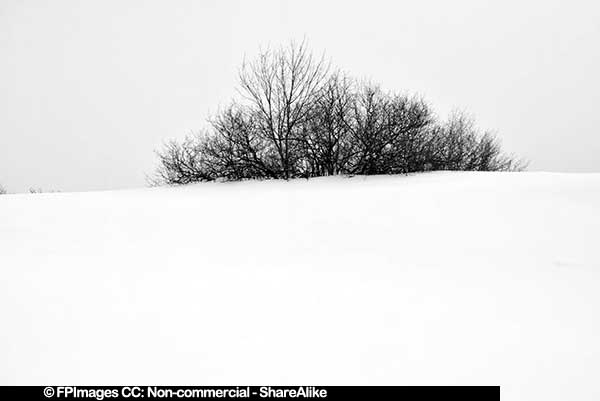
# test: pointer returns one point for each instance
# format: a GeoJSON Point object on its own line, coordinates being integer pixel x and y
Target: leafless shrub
{"type": "Point", "coordinates": [182, 163]}
{"type": "Point", "coordinates": [297, 118]}
{"type": "Point", "coordinates": [461, 146]}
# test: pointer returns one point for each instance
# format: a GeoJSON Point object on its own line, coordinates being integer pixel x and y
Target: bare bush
{"type": "Point", "coordinates": [182, 163]}
{"type": "Point", "coordinates": [461, 146]}
{"type": "Point", "coordinates": [296, 118]}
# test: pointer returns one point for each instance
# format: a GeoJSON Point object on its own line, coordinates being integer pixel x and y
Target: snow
{"type": "Point", "coordinates": [430, 279]}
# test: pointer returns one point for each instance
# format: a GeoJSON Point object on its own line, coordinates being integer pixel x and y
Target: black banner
{"type": "Point", "coordinates": [100, 393]}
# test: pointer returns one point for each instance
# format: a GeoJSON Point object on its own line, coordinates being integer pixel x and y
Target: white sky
{"type": "Point", "coordinates": [88, 89]}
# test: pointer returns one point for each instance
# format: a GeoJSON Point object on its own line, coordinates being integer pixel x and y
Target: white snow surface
{"type": "Point", "coordinates": [429, 279]}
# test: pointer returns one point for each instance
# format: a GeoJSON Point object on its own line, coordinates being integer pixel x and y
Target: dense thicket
{"type": "Point", "coordinates": [298, 118]}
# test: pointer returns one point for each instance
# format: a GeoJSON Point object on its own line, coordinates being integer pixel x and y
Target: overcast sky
{"type": "Point", "coordinates": [88, 89]}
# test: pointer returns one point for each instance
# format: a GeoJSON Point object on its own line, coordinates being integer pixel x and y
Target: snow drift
{"type": "Point", "coordinates": [441, 279]}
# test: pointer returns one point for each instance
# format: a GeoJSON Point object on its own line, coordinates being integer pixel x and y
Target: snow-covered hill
{"type": "Point", "coordinates": [441, 278]}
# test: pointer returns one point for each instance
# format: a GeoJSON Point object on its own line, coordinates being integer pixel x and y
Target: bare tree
{"type": "Point", "coordinates": [388, 131]}
{"type": "Point", "coordinates": [326, 142]}
{"type": "Point", "coordinates": [2, 190]}
{"type": "Point", "coordinates": [279, 88]}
